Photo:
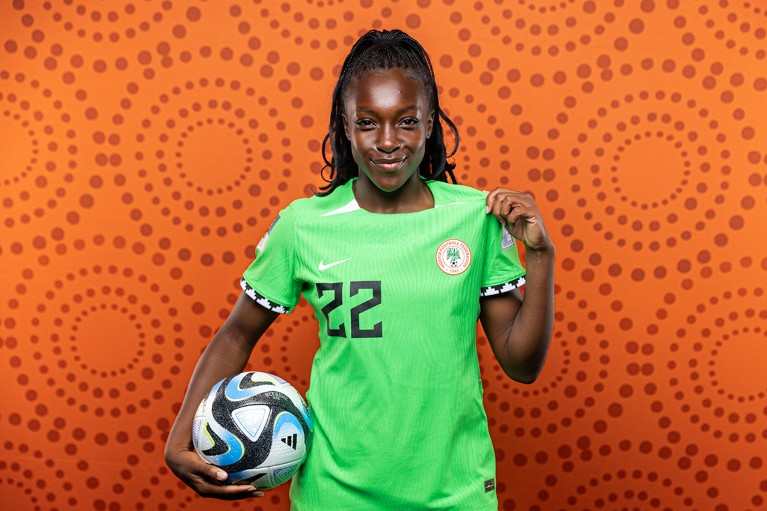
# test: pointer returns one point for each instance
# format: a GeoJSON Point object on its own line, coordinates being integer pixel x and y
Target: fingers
{"type": "Point", "coordinates": [208, 486]}
{"type": "Point", "coordinates": [208, 480]}
{"type": "Point", "coordinates": [508, 205]}
{"type": "Point", "coordinates": [517, 212]}
{"type": "Point", "coordinates": [230, 492]}
{"type": "Point", "coordinates": [214, 473]}
{"type": "Point", "coordinates": [511, 206]}
{"type": "Point", "coordinates": [496, 197]}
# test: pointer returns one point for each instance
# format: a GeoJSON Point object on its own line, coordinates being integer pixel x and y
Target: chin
{"type": "Point", "coordinates": [389, 185]}
{"type": "Point", "coordinates": [390, 182]}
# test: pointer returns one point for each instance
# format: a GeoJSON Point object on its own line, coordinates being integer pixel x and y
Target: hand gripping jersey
{"type": "Point", "coordinates": [395, 387]}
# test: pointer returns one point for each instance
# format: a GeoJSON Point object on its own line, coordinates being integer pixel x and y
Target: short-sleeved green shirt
{"type": "Point", "coordinates": [395, 389]}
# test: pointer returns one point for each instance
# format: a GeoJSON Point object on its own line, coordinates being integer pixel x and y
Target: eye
{"type": "Point", "coordinates": [364, 123]}
{"type": "Point", "coordinates": [410, 121]}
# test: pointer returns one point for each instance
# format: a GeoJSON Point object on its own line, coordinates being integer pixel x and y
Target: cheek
{"type": "Point", "coordinates": [356, 142]}
{"type": "Point", "coordinates": [358, 145]}
{"type": "Point", "coordinates": [420, 142]}
{"type": "Point", "coordinates": [363, 140]}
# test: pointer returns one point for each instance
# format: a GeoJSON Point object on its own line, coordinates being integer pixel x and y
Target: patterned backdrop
{"type": "Point", "coordinates": [146, 146]}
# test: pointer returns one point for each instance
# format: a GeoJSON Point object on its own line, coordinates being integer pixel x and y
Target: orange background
{"type": "Point", "coordinates": [146, 146]}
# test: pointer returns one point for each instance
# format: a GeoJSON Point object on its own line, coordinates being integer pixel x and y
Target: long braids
{"type": "Point", "coordinates": [385, 49]}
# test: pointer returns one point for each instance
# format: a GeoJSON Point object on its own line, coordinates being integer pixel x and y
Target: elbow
{"type": "Point", "coordinates": [527, 369]}
{"type": "Point", "coordinates": [526, 380]}
{"type": "Point", "coordinates": [525, 365]}
{"type": "Point", "coordinates": [525, 376]}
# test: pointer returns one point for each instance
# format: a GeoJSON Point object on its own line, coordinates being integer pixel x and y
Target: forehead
{"type": "Point", "coordinates": [386, 87]}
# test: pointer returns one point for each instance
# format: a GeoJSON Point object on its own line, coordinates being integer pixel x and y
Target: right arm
{"type": "Point", "coordinates": [226, 355]}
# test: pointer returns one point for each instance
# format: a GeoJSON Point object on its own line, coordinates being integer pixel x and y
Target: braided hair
{"type": "Point", "coordinates": [385, 49]}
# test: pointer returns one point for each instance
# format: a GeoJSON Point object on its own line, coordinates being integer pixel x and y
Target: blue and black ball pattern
{"type": "Point", "coordinates": [236, 451]}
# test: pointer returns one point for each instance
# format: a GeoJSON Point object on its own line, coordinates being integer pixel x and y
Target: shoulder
{"type": "Point", "coordinates": [317, 205]}
{"type": "Point", "coordinates": [452, 193]}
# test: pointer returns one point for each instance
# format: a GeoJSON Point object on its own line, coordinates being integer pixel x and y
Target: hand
{"type": "Point", "coordinates": [207, 480]}
{"type": "Point", "coordinates": [519, 214]}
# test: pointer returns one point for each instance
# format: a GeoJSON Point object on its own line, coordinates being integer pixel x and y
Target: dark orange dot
{"type": "Point", "coordinates": [193, 14]}
{"type": "Point", "coordinates": [86, 200]}
{"type": "Point", "coordinates": [636, 26]}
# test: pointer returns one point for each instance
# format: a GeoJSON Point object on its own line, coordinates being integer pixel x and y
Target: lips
{"type": "Point", "coordinates": [389, 165]}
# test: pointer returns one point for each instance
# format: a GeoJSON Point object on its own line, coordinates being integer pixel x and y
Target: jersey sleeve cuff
{"type": "Point", "coordinates": [262, 300]}
{"type": "Point", "coordinates": [502, 288]}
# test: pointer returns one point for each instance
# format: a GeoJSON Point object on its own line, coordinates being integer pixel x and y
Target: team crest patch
{"type": "Point", "coordinates": [453, 257]}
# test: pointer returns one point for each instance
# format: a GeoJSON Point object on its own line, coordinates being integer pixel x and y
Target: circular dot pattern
{"type": "Point", "coordinates": [147, 146]}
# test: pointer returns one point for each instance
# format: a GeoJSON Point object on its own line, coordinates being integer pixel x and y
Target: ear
{"type": "Point", "coordinates": [346, 126]}
{"type": "Point", "coordinates": [429, 124]}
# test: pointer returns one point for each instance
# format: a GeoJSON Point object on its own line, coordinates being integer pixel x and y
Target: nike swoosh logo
{"type": "Point", "coordinates": [323, 266]}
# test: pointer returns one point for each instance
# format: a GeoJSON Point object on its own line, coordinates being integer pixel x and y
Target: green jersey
{"type": "Point", "coordinates": [395, 389]}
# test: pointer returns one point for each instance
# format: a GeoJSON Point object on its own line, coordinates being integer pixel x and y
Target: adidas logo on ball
{"type": "Point", "coordinates": [290, 441]}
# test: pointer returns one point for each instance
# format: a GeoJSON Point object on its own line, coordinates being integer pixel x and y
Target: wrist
{"type": "Point", "coordinates": [546, 251]}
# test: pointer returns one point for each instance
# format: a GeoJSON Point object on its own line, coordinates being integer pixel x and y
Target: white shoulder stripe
{"type": "Point", "coordinates": [449, 204]}
{"type": "Point", "coordinates": [348, 208]}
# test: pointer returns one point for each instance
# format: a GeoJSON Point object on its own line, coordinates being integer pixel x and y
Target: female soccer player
{"type": "Point", "coordinates": [398, 265]}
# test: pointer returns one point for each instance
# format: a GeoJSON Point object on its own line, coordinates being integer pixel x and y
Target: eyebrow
{"type": "Point", "coordinates": [398, 112]}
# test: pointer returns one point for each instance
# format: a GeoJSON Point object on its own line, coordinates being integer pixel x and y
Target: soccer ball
{"type": "Point", "coordinates": [256, 427]}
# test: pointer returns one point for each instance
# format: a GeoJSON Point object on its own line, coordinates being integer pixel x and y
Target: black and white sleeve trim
{"type": "Point", "coordinates": [261, 300]}
{"type": "Point", "coordinates": [502, 288]}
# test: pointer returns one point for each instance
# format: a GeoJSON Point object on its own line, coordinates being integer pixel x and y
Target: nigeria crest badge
{"type": "Point", "coordinates": [453, 256]}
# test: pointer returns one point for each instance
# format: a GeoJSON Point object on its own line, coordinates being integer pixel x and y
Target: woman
{"type": "Point", "coordinates": [398, 265]}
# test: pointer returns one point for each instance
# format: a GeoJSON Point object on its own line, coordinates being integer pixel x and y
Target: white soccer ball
{"type": "Point", "coordinates": [256, 427]}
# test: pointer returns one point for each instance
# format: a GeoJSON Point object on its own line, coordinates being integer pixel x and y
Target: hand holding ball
{"type": "Point", "coordinates": [256, 427]}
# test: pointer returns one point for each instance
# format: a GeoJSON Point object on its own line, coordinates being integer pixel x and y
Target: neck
{"type": "Point", "coordinates": [412, 197]}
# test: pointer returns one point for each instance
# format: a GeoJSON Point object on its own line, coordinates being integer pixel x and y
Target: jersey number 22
{"type": "Point", "coordinates": [337, 288]}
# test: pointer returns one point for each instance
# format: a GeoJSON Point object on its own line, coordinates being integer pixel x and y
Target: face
{"type": "Point", "coordinates": [387, 119]}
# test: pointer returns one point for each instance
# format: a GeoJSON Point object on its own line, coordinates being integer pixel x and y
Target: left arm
{"type": "Point", "coordinates": [519, 330]}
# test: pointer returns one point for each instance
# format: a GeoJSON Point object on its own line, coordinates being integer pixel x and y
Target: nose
{"type": "Point", "coordinates": [387, 141]}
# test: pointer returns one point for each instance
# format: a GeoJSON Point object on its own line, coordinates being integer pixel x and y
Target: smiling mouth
{"type": "Point", "coordinates": [389, 165]}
